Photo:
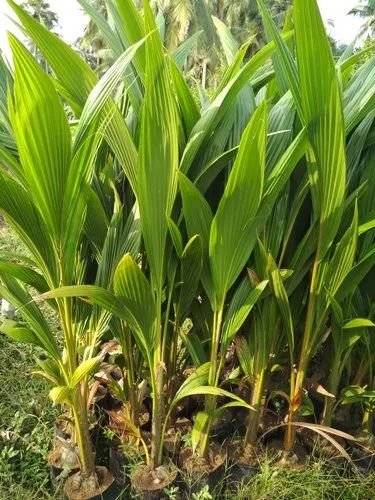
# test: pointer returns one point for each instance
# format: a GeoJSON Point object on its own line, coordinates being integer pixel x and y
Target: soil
{"type": "Point", "coordinates": [247, 456]}
{"type": "Point", "coordinates": [78, 489]}
{"type": "Point", "coordinates": [296, 460]}
{"type": "Point", "coordinates": [192, 462]}
{"type": "Point", "coordinates": [147, 479]}
{"type": "Point", "coordinates": [172, 440]}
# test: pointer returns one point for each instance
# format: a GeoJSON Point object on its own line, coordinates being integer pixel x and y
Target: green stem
{"type": "Point", "coordinates": [132, 385]}
{"type": "Point", "coordinates": [296, 393]}
{"type": "Point", "coordinates": [81, 426]}
{"type": "Point", "coordinates": [256, 399]}
{"type": "Point", "coordinates": [368, 416]}
{"type": "Point", "coordinates": [157, 380]}
{"type": "Point", "coordinates": [213, 377]}
{"type": "Point", "coordinates": [79, 406]}
{"type": "Point", "coordinates": [333, 382]}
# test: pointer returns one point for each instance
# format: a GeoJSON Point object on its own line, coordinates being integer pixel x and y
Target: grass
{"type": "Point", "coordinates": [319, 481]}
{"type": "Point", "coordinates": [26, 413]}
{"type": "Point", "coordinates": [26, 429]}
{"type": "Point", "coordinates": [26, 425]}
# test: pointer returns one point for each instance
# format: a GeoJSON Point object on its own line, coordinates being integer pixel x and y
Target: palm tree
{"type": "Point", "coordinates": [366, 10]}
{"type": "Point", "coordinates": [92, 45]}
{"type": "Point", "coordinates": [179, 16]}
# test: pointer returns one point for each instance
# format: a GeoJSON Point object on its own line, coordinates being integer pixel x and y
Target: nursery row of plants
{"type": "Point", "coordinates": [209, 256]}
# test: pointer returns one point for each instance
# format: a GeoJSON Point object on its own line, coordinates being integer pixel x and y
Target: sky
{"type": "Point", "coordinates": [72, 20]}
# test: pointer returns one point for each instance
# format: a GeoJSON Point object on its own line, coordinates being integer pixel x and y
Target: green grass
{"type": "Point", "coordinates": [319, 481]}
{"type": "Point", "coordinates": [26, 425]}
{"type": "Point", "coordinates": [9, 242]}
{"type": "Point", "coordinates": [26, 413]}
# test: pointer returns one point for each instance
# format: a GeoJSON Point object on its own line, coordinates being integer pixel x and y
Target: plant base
{"type": "Point", "coordinates": [76, 488]}
{"type": "Point", "coordinates": [151, 482]}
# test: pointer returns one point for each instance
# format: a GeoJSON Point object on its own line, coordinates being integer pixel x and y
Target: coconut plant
{"type": "Point", "coordinates": [41, 199]}
{"type": "Point", "coordinates": [314, 98]}
{"type": "Point", "coordinates": [209, 243]}
{"type": "Point", "coordinates": [46, 194]}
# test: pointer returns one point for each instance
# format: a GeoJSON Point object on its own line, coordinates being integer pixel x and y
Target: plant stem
{"type": "Point", "coordinates": [79, 406]}
{"type": "Point", "coordinates": [157, 380]}
{"type": "Point", "coordinates": [132, 386]}
{"type": "Point", "coordinates": [157, 416]}
{"type": "Point", "coordinates": [368, 416]}
{"type": "Point", "coordinates": [296, 391]}
{"type": "Point", "coordinates": [256, 398]}
{"type": "Point", "coordinates": [173, 349]}
{"type": "Point", "coordinates": [80, 415]}
{"type": "Point", "coordinates": [213, 377]}
{"type": "Point", "coordinates": [333, 382]}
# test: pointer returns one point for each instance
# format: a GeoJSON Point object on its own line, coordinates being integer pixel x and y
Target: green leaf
{"type": "Point", "coordinates": [94, 294]}
{"type": "Point", "coordinates": [216, 111]}
{"type": "Point", "coordinates": [158, 154]}
{"type": "Point", "coordinates": [356, 275]}
{"type": "Point", "coordinates": [16, 204]}
{"type": "Point", "coordinates": [358, 323]}
{"type": "Point", "coordinates": [75, 76]}
{"type": "Point", "coordinates": [194, 347]}
{"type": "Point", "coordinates": [198, 219]}
{"type": "Point", "coordinates": [341, 262]}
{"type": "Point", "coordinates": [123, 236]}
{"type": "Point", "coordinates": [283, 303]}
{"type": "Point", "coordinates": [17, 295]}
{"type": "Point", "coordinates": [353, 390]}
{"type": "Point", "coordinates": [61, 395]}
{"type": "Point", "coordinates": [45, 151]}
{"type": "Point", "coordinates": [23, 335]}
{"type": "Point", "coordinates": [197, 379]}
{"type": "Point", "coordinates": [134, 28]}
{"type": "Point", "coordinates": [24, 274]}
{"type": "Point", "coordinates": [191, 268]}
{"type": "Point", "coordinates": [112, 38]}
{"type": "Point", "coordinates": [200, 424]}
{"type": "Point", "coordinates": [133, 290]}
{"type": "Point", "coordinates": [85, 369]}
{"type": "Point", "coordinates": [212, 391]}
{"type": "Point", "coordinates": [227, 40]}
{"type": "Point", "coordinates": [229, 237]}
{"type": "Point", "coordinates": [116, 389]}
{"type": "Point", "coordinates": [182, 52]}
{"type": "Point", "coordinates": [244, 356]}
{"type": "Point", "coordinates": [285, 59]}
{"type": "Point", "coordinates": [366, 226]}
{"type": "Point", "coordinates": [188, 108]}
{"type": "Point", "coordinates": [323, 117]}
{"type": "Point", "coordinates": [176, 237]}
{"type": "Point", "coordinates": [208, 174]}
{"type": "Point", "coordinates": [50, 370]}
{"type": "Point", "coordinates": [307, 407]}
{"type": "Point", "coordinates": [244, 299]}
{"type": "Point", "coordinates": [101, 93]}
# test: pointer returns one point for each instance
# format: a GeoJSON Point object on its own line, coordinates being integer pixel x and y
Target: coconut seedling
{"type": "Point", "coordinates": [43, 192]}
{"type": "Point", "coordinates": [320, 109]}
{"type": "Point", "coordinates": [56, 217]}
{"type": "Point", "coordinates": [198, 217]}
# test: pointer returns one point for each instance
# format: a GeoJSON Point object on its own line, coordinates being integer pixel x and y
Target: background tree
{"type": "Point", "coordinates": [91, 45]}
{"type": "Point", "coordinates": [366, 10]}
{"type": "Point", "coordinates": [41, 11]}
